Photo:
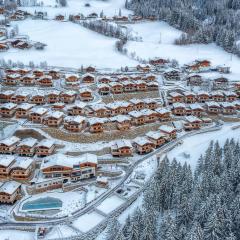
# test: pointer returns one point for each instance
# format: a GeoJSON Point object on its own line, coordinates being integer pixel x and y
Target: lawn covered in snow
{"type": "Point", "coordinates": [109, 7]}
{"type": "Point", "coordinates": [158, 39]}
{"type": "Point", "coordinates": [14, 234]}
{"type": "Point", "coordinates": [68, 45]}
{"type": "Point", "coordinates": [198, 144]}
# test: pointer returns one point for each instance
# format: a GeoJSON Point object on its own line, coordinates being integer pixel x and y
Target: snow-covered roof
{"type": "Point", "coordinates": [121, 118]}
{"type": "Point", "coordinates": [8, 106]}
{"type": "Point", "coordinates": [147, 111]}
{"type": "Point", "coordinates": [77, 104]}
{"type": "Point", "coordinates": [96, 120]}
{"type": "Point", "coordinates": [227, 104]}
{"type": "Point", "coordinates": [9, 187]}
{"type": "Point", "coordinates": [149, 100]}
{"type": "Point", "coordinates": [75, 119]}
{"type": "Point", "coordinates": [155, 135]}
{"type": "Point", "coordinates": [23, 162]}
{"type": "Point", "coordinates": [55, 114]}
{"type": "Point", "coordinates": [192, 119]}
{"type": "Point", "coordinates": [10, 141]}
{"type": "Point", "coordinates": [8, 92]}
{"type": "Point", "coordinates": [29, 142]}
{"type": "Point", "coordinates": [48, 143]}
{"type": "Point", "coordinates": [195, 106]}
{"type": "Point", "coordinates": [122, 143]}
{"type": "Point", "coordinates": [53, 92]}
{"type": "Point", "coordinates": [142, 141]}
{"type": "Point", "coordinates": [187, 93]}
{"type": "Point", "coordinates": [6, 160]}
{"type": "Point", "coordinates": [83, 90]}
{"type": "Point", "coordinates": [114, 84]}
{"type": "Point", "coordinates": [166, 128]}
{"type": "Point", "coordinates": [212, 104]}
{"type": "Point", "coordinates": [202, 93]}
{"type": "Point", "coordinates": [69, 92]}
{"type": "Point", "coordinates": [217, 93]}
{"type": "Point", "coordinates": [179, 105]}
{"type": "Point", "coordinates": [103, 85]}
{"type": "Point", "coordinates": [98, 106]}
{"type": "Point", "coordinates": [229, 94]}
{"type": "Point", "coordinates": [25, 106]}
{"type": "Point", "coordinates": [136, 101]}
{"type": "Point", "coordinates": [162, 110]}
{"type": "Point", "coordinates": [136, 114]}
{"type": "Point", "coordinates": [71, 75]}
{"type": "Point", "coordinates": [39, 110]}
{"type": "Point", "coordinates": [68, 161]}
{"type": "Point", "coordinates": [88, 75]}
{"type": "Point", "coordinates": [175, 94]}
{"type": "Point", "coordinates": [38, 93]}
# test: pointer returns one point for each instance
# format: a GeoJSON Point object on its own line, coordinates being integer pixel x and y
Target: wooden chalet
{"type": "Point", "coordinates": [203, 97]}
{"type": "Point", "coordinates": [7, 110]}
{"type": "Point", "coordinates": [143, 145]}
{"type": "Point", "coordinates": [192, 123]}
{"type": "Point", "coordinates": [21, 97]}
{"type": "Point", "coordinates": [116, 88]}
{"type": "Point", "coordinates": [10, 192]}
{"type": "Point", "coordinates": [141, 85]}
{"type": "Point", "coordinates": [104, 79]}
{"type": "Point", "coordinates": [96, 125]}
{"type": "Point", "coordinates": [228, 108]}
{"type": "Point", "coordinates": [164, 114]}
{"type": "Point", "coordinates": [88, 78]}
{"type": "Point", "coordinates": [196, 109]}
{"type": "Point", "coordinates": [86, 94]}
{"type": "Point", "coordinates": [74, 123]}
{"type": "Point", "coordinates": [189, 97]}
{"type": "Point", "coordinates": [150, 103]}
{"type": "Point", "coordinates": [230, 96]}
{"type": "Point", "coordinates": [76, 109]}
{"type": "Point", "coordinates": [152, 86]}
{"type": "Point", "coordinates": [36, 114]}
{"type": "Point", "coordinates": [220, 83]}
{"type": "Point", "coordinates": [174, 97]}
{"type": "Point", "coordinates": [5, 97]}
{"type": "Point", "coordinates": [123, 122]}
{"type": "Point", "coordinates": [68, 96]}
{"type": "Point", "coordinates": [159, 62]}
{"type": "Point", "coordinates": [122, 148]}
{"type": "Point", "coordinates": [217, 96]}
{"type": "Point", "coordinates": [28, 80]}
{"type": "Point", "coordinates": [138, 104]}
{"type": "Point", "coordinates": [45, 148]}
{"type": "Point", "coordinates": [169, 131]}
{"type": "Point", "coordinates": [12, 79]}
{"type": "Point", "coordinates": [27, 147]}
{"type": "Point", "coordinates": [194, 80]}
{"type": "Point", "coordinates": [38, 98]}
{"type": "Point", "coordinates": [5, 165]}
{"type": "Point", "coordinates": [53, 119]}
{"type": "Point", "coordinates": [138, 118]}
{"type": "Point", "coordinates": [150, 115]}
{"type": "Point", "coordinates": [179, 109]}
{"type": "Point", "coordinates": [156, 137]}
{"type": "Point", "coordinates": [38, 73]}
{"type": "Point", "coordinates": [172, 74]}
{"type": "Point", "coordinates": [53, 96]}
{"type": "Point", "coordinates": [98, 110]}
{"type": "Point", "coordinates": [23, 110]}
{"type": "Point", "coordinates": [103, 89]}
{"type": "Point", "coordinates": [45, 81]}
{"type": "Point", "coordinates": [9, 145]}
{"type": "Point", "coordinates": [60, 17]}
{"type": "Point", "coordinates": [129, 86]}
{"type": "Point", "coordinates": [213, 107]}
{"type": "Point", "coordinates": [72, 79]}
{"type": "Point", "coordinates": [54, 74]}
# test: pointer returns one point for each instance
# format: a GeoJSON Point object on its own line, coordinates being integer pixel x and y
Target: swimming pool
{"type": "Point", "coordinates": [40, 204]}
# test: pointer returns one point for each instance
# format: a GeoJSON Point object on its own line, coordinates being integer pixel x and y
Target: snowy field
{"type": "Point", "coordinates": [109, 7]}
{"type": "Point", "coordinates": [68, 45]}
{"type": "Point", "coordinates": [88, 221]}
{"type": "Point", "coordinates": [110, 204]}
{"type": "Point", "coordinates": [59, 232]}
{"type": "Point", "coordinates": [197, 145]}
{"type": "Point", "coordinates": [14, 234]}
{"type": "Point", "coordinates": [158, 38]}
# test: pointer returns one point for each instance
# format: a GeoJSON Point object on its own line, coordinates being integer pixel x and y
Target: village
{"type": "Point", "coordinates": [78, 145]}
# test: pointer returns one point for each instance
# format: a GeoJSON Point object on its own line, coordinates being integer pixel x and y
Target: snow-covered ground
{"type": "Point", "coordinates": [197, 145]}
{"type": "Point", "coordinates": [14, 234]}
{"type": "Point", "coordinates": [68, 45]}
{"type": "Point", "coordinates": [110, 204]}
{"type": "Point", "coordinates": [88, 221]}
{"type": "Point", "coordinates": [60, 232]}
{"type": "Point", "coordinates": [109, 7]}
{"type": "Point", "coordinates": [158, 39]}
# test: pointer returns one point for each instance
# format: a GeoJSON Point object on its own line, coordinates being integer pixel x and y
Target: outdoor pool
{"type": "Point", "coordinates": [42, 204]}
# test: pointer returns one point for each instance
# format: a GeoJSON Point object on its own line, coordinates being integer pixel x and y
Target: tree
{"type": "Point", "coordinates": [63, 3]}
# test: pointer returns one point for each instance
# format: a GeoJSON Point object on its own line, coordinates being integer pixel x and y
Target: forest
{"type": "Point", "coordinates": [203, 21]}
{"type": "Point", "coordinates": [179, 204]}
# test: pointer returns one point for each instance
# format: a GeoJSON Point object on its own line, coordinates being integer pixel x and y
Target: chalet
{"type": "Point", "coordinates": [85, 94]}
{"type": "Point", "coordinates": [12, 79]}
{"type": "Point", "coordinates": [58, 106]}
{"type": "Point", "coordinates": [96, 125]}
{"type": "Point", "coordinates": [237, 105]}
{"type": "Point", "coordinates": [28, 80]}
{"type": "Point", "coordinates": [23, 110]}
{"type": "Point", "coordinates": [138, 104]}
{"type": "Point", "coordinates": [59, 17]}
{"type": "Point", "coordinates": [135, 77]}
{"type": "Point", "coordinates": [169, 131]}
{"type": "Point", "coordinates": [10, 192]}
{"type": "Point", "coordinates": [7, 110]}
{"type": "Point", "coordinates": [11, 70]}
{"type": "Point", "coordinates": [138, 118]}
{"type": "Point", "coordinates": [198, 66]}
{"type": "Point", "coordinates": [144, 68]}
{"type": "Point", "coordinates": [159, 62]}
{"type": "Point", "coordinates": [220, 83]}
{"type": "Point", "coordinates": [141, 85]}
{"type": "Point", "coordinates": [156, 137]}
{"type": "Point", "coordinates": [53, 96]}
{"type": "Point", "coordinates": [150, 103]}
{"type": "Point", "coordinates": [22, 97]}
{"type": "Point", "coordinates": [174, 97]}
{"type": "Point", "coordinates": [213, 107]}
{"type": "Point", "coordinates": [223, 69]}
{"type": "Point", "coordinates": [116, 88]}
{"type": "Point", "coordinates": [68, 96]}
{"type": "Point", "coordinates": [38, 73]}
{"type": "Point", "coordinates": [230, 96]}
{"type": "Point", "coordinates": [54, 73]}
{"type": "Point", "coordinates": [53, 119]}
{"type": "Point", "coordinates": [22, 169]}
{"type": "Point", "coordinates": [126, 107]}
{"type": "Point", "coordinates": [179, 109]}
{"type": "Point", "coordinates": [45, 81]}
{"type": "Point", "coordinates": [36, 114]}
{"type": "Point", "coordinates": [196, 109]}
{"type": "Point", "coordinates": [192, 123]}
{"type": "Point", "coordinates": [72, 79]}
{"type": "Point", "coordinates": [27, 147]}
{"type": "Point", "coordinates": [122, 148]}
{"type": "Point", "coordinates": [104, 79]}
{"type": "Point", "coordinates": [103, 89]}
{"type": "Point", "coordinates": [203, 97]}
{"type": "Point", "coordinates": [38, 98]}
{"type": "Point", "coordinates": [90, 69]}
{"type": "Point", "coordinates": [98, 110]}
{"type": "Point", "coordinates": [189, 97]}
{"type": "Point", "coordinates": [21, 44]}
{"type": "Point", "coordinates": [9, 145]}
{"type": "Point", "coordinates": [149, 78]}
{"type": "Point", "coordinates": [5, 97]}
{"type": "Point", "coordinates": [228, 108]}
{"type": "Point", "coordinates": [5, 165]}
{"type": "Point", "coordinates": [75, 167]}
{"type": "Point", "coordinates": [163, 114]}
{"type": "Point", "coordinates": [120, 18]}
{"type": "Point", "coordinates": [237, 86]}
{"type": "Point", "coordinates": [172, 74]}
{"type": "Point", "coordinates": [217, 96]}
{"type": "Point", "coordinates": [102, 182]}
{"type": "Point", "coordinates": [74, 123]}
{"type": "Point", "coordinates": [45, 148]}
{"type": "Point", "coordinates": [88, 78]}
{"type": "Point", "coordinates": [150, 115]}
{"type": "Point", "coordinates": [129, 86]}
{"type": "Point", "coordinates": [122, 78]}
{"type": "Point", "coordinates": [2, 10]}
{"type": "Point", "coordinates": [143, 145]}
{"type": "Point", "coordinates": [194, 80]}
{"type": "Point", "coordinates": [123, 122]}
{"type": "Point", "coordinates": [152, 86]}
{"type": "Point", "coordinates": [76, 109]}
